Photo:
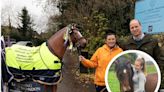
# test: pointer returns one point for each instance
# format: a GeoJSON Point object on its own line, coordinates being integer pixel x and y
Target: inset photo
{"type": "Point", "coordinates": [133, 71]}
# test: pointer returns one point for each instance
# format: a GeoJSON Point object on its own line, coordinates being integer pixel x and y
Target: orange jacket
{"type": "Point", "coordinates": [100, 60]}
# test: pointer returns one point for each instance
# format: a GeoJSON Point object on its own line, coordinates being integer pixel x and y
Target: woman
{"type": "Point", "coordinates": [100, 60]}
{"type": "Point", "coordinates": [139, 78]}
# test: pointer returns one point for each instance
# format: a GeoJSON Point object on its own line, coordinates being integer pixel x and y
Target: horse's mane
{"type": "Point", "coordinates": [59, 32]}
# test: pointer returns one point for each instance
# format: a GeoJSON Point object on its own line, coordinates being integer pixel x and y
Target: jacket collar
{"type": "Point", "coordinates": [109, 49]}
{"type": "Point", "coordinates": [146, 38]}
{"type": "Point", "coordinates": [139, 38]}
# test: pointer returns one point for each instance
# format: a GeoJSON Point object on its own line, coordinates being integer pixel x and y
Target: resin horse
{"type": "Point", "coordinates": [57, 44]}
{"type": "Point", "coordinates": [41, 65]}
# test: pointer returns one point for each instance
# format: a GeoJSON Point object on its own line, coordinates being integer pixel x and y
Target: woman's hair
{"type": "Point", "coordinates": [109, 32]}
{"type": "Point", "coordinates": [142, 62]}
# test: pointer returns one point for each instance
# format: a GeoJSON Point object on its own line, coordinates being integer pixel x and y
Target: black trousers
{"type": "Point", "coordinates": [101, 88]}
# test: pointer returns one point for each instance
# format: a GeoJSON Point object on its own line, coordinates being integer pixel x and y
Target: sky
{"type": "Point", "coordinates": [35, 10]}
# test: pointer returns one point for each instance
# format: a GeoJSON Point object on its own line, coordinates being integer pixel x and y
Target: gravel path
{"type": "Point", "coordinates": [73, 81]}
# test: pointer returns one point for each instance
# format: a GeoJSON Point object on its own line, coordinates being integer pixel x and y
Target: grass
{"type": "Point", "coordinates": [114, 83]}
{"type": "Point", "coordinates": [151, 69]}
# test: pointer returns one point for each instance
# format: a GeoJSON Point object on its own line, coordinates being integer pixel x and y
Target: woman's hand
{"type": "Point", "coordinates": [81, 58]}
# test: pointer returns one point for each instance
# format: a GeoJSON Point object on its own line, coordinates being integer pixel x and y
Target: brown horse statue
{"type": "Point", "coordinates": [19, 67]}
{"type": "Point", "coordinates": [57, 46]}
{"type": "Point", "coordinates": [122, 64]}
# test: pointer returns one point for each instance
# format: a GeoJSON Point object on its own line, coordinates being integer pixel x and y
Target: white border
{"type": "Point", "coordinates": [133, 51]}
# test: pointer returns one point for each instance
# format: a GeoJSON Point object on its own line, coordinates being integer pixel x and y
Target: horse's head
{"type": "Point", "coordinates": [68, 36]}
{"type": "Point", "coordinates": [76, 37]}
{"type": "Point", "coordinates": [124, 74]}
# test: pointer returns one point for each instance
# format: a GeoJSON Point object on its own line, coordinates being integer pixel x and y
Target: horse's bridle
{"type": "Point", "coordinates": [77, 41]}
{"type": "Point", "coordinates": [70, 30]}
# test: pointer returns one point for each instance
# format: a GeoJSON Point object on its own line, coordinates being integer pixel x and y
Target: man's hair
{"type": "Point", "coordinates": [136, 20]}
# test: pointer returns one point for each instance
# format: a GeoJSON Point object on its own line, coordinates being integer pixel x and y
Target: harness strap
{"type": "Point", "coordinates": [46, 83]}
{"type": "Point", "coordinates": [103, 90]}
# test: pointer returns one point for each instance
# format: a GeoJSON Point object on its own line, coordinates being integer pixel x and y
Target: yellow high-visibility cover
{"type": "Point", "coordinates": [29, 58]}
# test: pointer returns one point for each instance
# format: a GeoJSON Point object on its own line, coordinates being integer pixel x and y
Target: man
{"type": "Point", "coordinates": [143, 42]}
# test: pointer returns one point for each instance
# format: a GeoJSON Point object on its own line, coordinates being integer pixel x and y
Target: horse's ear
{"type": "Point", "coordinates": [72, 27]}
{"type": "Point", "coordinates": [128, 62]}
{"type": "Point", "coordinates": [116, 61]}
{"type": "Point", "coordinates": [69, 28]}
